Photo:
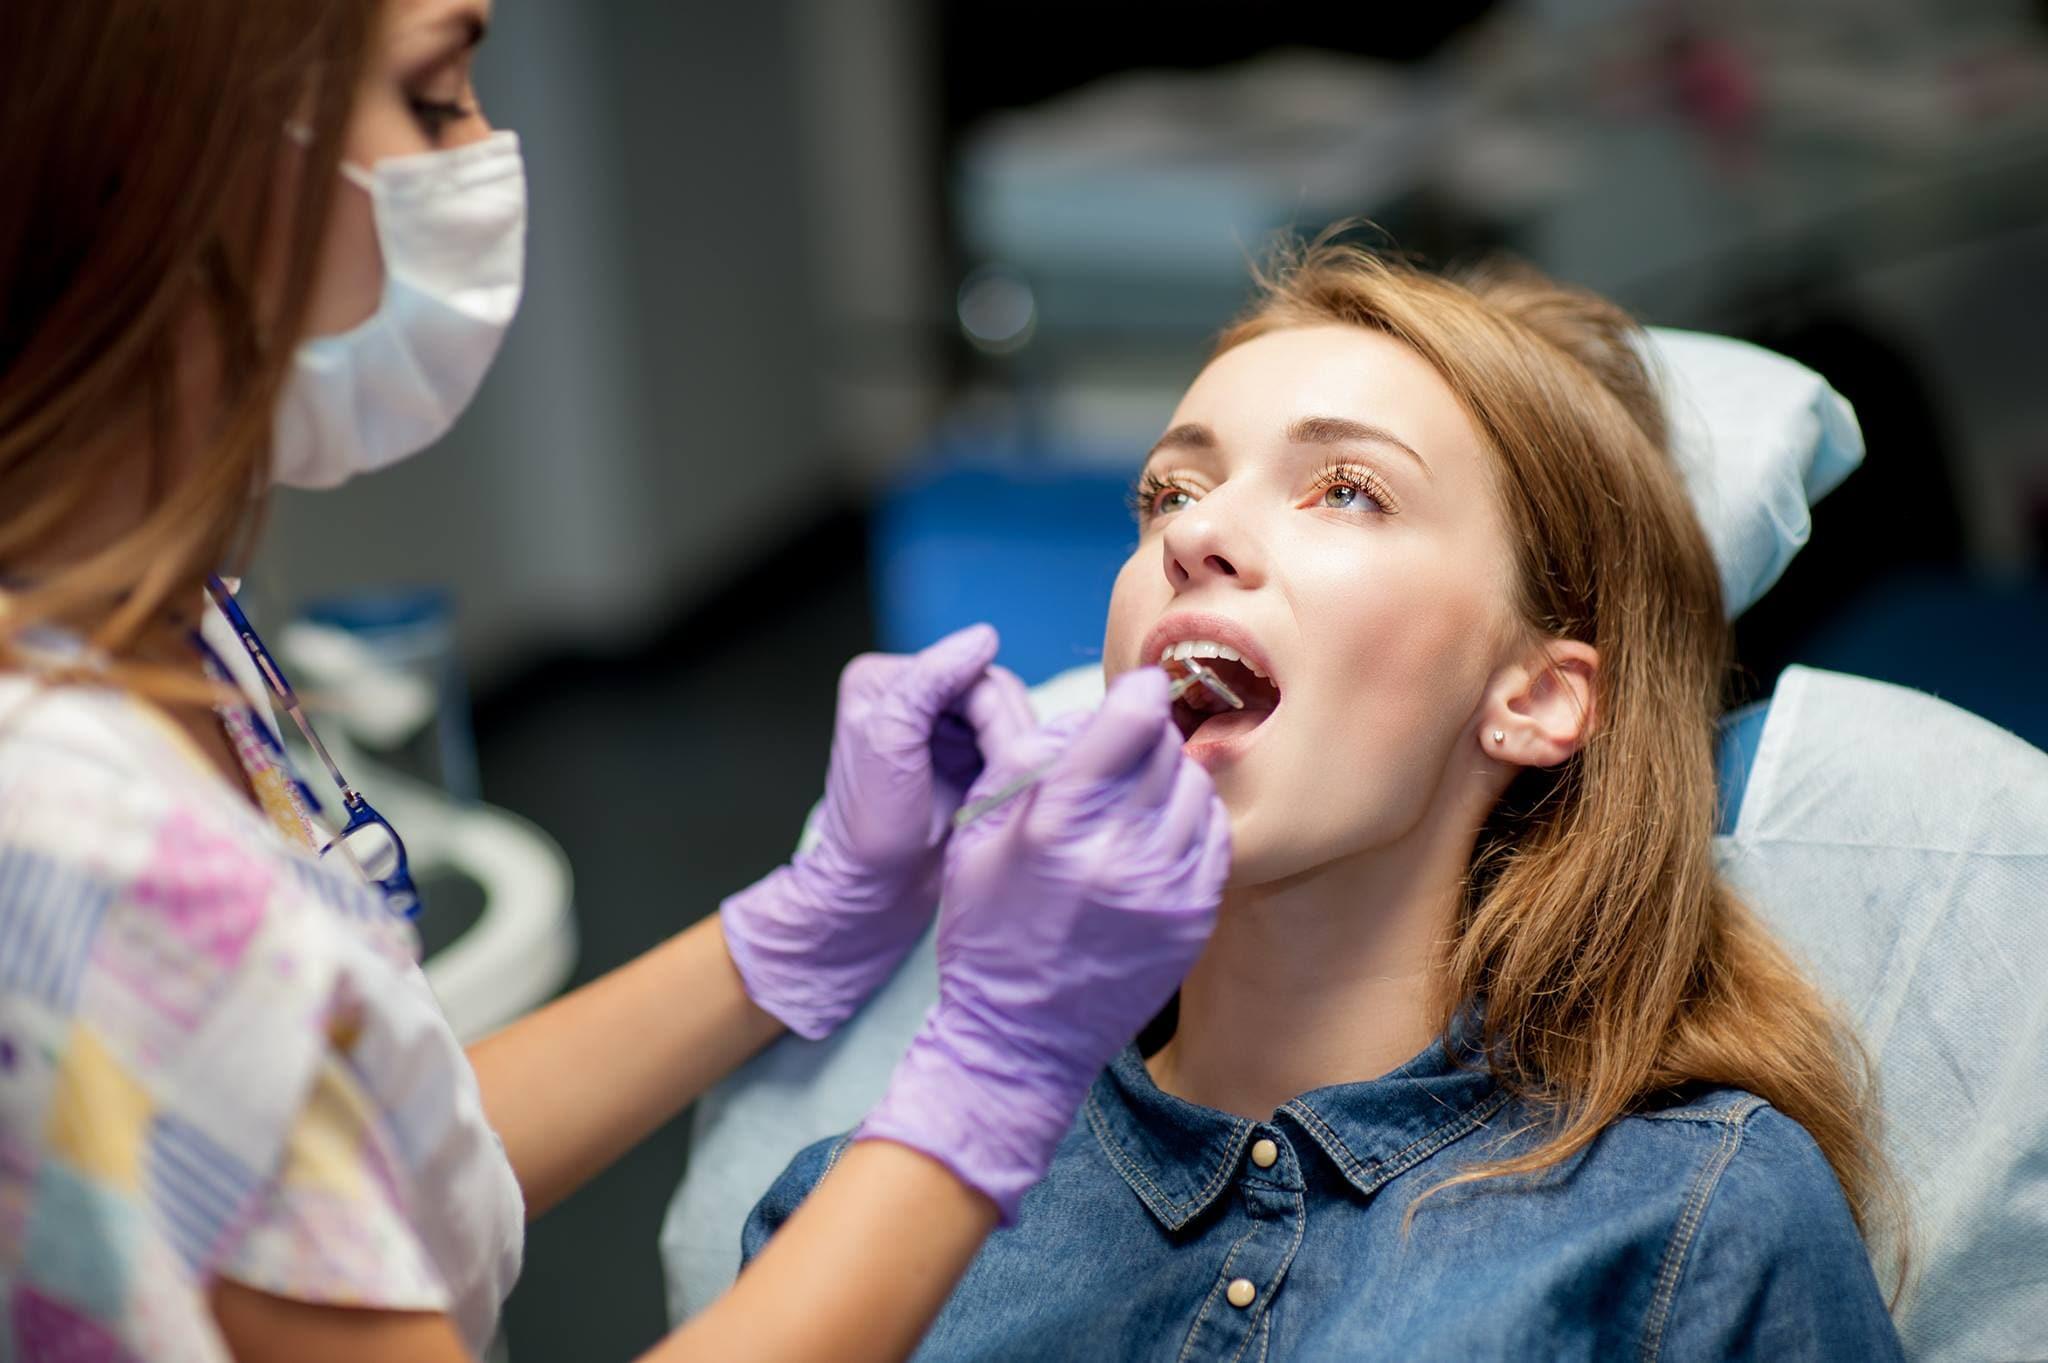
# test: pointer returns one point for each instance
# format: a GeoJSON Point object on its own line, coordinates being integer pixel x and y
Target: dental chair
{"type": "Point", "coordinates": [1897, 844]}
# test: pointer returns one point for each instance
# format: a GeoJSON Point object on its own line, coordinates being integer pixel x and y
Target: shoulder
{"type": "Point", "coordinates": [120, 875]}
{"type": "Point", "coordinates": [91, 775]}
{"type": "Point", "coordinates": [805, 1172]}
{"type": "Point", "coordinates": [157, 931]}
{"type": "Point", "coordinates": [1738, 1153]}
{"type": "Point", "coordinates": [98, 787]}
{"type": "Point", "coordinates": [1763, 1258]}
{"type": "Point", "coordinates": [84, 752]}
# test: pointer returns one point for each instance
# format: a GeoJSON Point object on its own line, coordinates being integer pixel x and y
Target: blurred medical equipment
{"type": "Point", "coordinates": [1900, 845]}
{"type": "Point", "coordinates": [1010, 790]}
{"type": "Point", "coordinates": [496, 893]}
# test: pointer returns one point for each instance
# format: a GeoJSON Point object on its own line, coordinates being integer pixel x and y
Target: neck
{"type": "Point", "coordinates": [1332, 977]}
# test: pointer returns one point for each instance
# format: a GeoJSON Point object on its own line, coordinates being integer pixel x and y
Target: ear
{"type": "Point", "coordinates": [1539, 710]}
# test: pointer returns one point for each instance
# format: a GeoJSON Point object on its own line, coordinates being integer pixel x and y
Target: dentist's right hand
{"type": "Point", "coordinates": [1069, 917]}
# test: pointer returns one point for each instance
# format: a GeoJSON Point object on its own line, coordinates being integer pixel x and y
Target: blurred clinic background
{"type": "Point", "coordinates": [848, 321]}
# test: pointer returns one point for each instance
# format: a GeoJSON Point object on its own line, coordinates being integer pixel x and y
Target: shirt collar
{"type": "Point", "coordinates": [1178, 1156]}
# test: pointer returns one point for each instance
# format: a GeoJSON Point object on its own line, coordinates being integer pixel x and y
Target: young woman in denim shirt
{"type": "Point", "coordinates": [1484, 1059]}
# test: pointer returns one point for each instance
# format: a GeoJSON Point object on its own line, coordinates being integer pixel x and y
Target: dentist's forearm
{"type": "Point", "coordinates": [857, 1275]}
{"type": "Point", "coordinates": [574, 1086]}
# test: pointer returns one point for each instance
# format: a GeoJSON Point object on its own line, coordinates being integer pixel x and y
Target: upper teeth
{"type": "Point", "coordinates": [1206, 648]}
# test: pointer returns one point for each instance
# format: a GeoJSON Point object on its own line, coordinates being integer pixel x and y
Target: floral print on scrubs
{"type": "Point", "coordinates": [178, 1098]}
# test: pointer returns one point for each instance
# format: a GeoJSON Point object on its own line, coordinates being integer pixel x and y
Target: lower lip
{"type": "Point", "coordinates": [1231, 743]}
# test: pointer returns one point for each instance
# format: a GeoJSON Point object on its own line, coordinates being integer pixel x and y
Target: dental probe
{"type": "Point", "coordinates": [1199, 673]}
{"type": "Point", "coordinates": [997, 798]}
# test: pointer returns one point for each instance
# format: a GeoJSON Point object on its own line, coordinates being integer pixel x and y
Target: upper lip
{"type": "Point", "coordinates": [1184, 625]}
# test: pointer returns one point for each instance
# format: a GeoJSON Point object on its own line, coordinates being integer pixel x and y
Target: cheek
{"type": "Point", "coordinates": [1399, 668]}
{"type": "Point", "coordinates": [1408, 631]}
{"type": "Point", "coordinates": [1418, 657]}
{"type": "Point", "coordinates": [351, 279]}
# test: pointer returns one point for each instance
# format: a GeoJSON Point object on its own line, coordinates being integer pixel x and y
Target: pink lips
{"type": "Point", "coordinates": [1225, 735]}
{"type": "Point", "coordinates": [1184, 625]}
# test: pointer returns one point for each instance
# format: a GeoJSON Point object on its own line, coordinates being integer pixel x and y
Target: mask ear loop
{"type": "Point", "coordinates": [302, 137]}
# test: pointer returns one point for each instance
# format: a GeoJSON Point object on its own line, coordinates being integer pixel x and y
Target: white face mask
{"type": "Point", "coordinates": [452, 227]}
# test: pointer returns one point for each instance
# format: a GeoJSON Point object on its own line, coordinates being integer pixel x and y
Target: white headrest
{"type": "Point", "coordinates": [1760, 439]}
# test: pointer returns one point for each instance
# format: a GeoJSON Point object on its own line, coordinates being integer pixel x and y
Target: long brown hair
{"type": "Point", "coordinates": [1615, 964]}
{"type": "Point", "coordinates": [139, 143]}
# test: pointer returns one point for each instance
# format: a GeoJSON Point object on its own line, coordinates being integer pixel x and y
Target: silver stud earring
{"type": "Point", "coordinates": [1499, 737]}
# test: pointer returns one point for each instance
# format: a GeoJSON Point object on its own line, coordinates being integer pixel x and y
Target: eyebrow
{"type": "Point", "coordinates": [1337, 430]}
{"type": "Point", "coordinates": [1311, 430]}
{"type": "Point", "coordinates": [470, 23]}
{"type": "Point", "coordinates": [1189, 435]}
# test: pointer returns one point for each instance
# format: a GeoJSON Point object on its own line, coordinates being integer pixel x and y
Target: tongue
{"type": "Point", "coordinates": [1227, 724]}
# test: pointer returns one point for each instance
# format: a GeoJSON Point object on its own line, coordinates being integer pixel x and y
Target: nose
{"type": "Point", "coordinates": [1205, 544]}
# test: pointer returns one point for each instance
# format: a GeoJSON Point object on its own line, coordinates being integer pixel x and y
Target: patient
{"type": "Point", "coordinates": [1484, 1060]}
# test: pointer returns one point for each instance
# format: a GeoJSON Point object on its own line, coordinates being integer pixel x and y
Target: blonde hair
{"type": "Point", "coordinates": [1614, 963]}
{"type": "Point", "coordinates": [142, 142]}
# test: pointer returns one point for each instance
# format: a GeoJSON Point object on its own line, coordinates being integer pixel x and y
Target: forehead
{"type": "Point", "coordinates": [1252, 391]}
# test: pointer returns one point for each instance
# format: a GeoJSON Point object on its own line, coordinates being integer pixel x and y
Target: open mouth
{"type": "Point", "coordinates": [1200, 712]}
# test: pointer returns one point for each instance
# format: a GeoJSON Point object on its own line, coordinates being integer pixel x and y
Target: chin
{"type": "Point", "coordinates": [1258, 858]}
{"type": "Point", "coordinates": [1280, 840]}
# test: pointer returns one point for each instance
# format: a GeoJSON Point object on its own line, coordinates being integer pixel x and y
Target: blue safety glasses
{"type": "Point", "coordinates": [367, 840]}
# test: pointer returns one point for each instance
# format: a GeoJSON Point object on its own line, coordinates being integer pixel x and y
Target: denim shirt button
{"type": "Point", "coordinates": [1241, 1293]}
{"type": "Point", "coordinates": [1264, 1153]}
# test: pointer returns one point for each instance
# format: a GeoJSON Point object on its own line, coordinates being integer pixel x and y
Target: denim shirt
{"type": "Point", "coordinates": [1711, 1228]}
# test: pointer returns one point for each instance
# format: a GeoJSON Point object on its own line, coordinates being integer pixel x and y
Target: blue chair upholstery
{"type": "Point", "coordinates": [1029, 545]}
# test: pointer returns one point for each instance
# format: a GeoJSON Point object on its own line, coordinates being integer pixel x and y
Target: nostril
{"type": "Point", "coordinates": [1216, 563]}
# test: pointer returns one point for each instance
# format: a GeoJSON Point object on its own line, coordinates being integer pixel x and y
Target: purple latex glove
{"type": "Point", "coordinates": [1070, 917]}
{"type": "Point", "coordinates": [815, 938]}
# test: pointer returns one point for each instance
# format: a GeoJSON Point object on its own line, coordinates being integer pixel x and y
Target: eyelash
{"type": "Point", "coordinates": [435, 114]}
{"type": "Point", "coordinates": [1338, 474]}
{"type": "Point", "coordinates": [1144, 499]}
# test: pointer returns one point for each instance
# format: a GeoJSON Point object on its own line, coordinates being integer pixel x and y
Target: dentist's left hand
{"type": "Point", "coordinates": [815, 938]}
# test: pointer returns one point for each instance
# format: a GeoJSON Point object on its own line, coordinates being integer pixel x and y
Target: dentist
{"type": "Point", "coordinates": [246, 244]}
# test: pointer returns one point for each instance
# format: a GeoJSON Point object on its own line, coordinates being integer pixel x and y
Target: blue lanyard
{"type": "Point", "coordinates": [367, 840]}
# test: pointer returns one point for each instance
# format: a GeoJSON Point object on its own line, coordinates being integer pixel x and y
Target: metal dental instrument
{"type": "Point", "coordinates": [1199, 673]}
{"type": "Point", "coordinates": [997, 798]}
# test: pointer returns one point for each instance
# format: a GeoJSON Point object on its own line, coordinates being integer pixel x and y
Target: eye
{"type": "Point", "coordinates": [1155, 496]}
{"type": "Point", "coordinates": [434, 115]}
{"type": "Point", "coordinates": [1347, 487]}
